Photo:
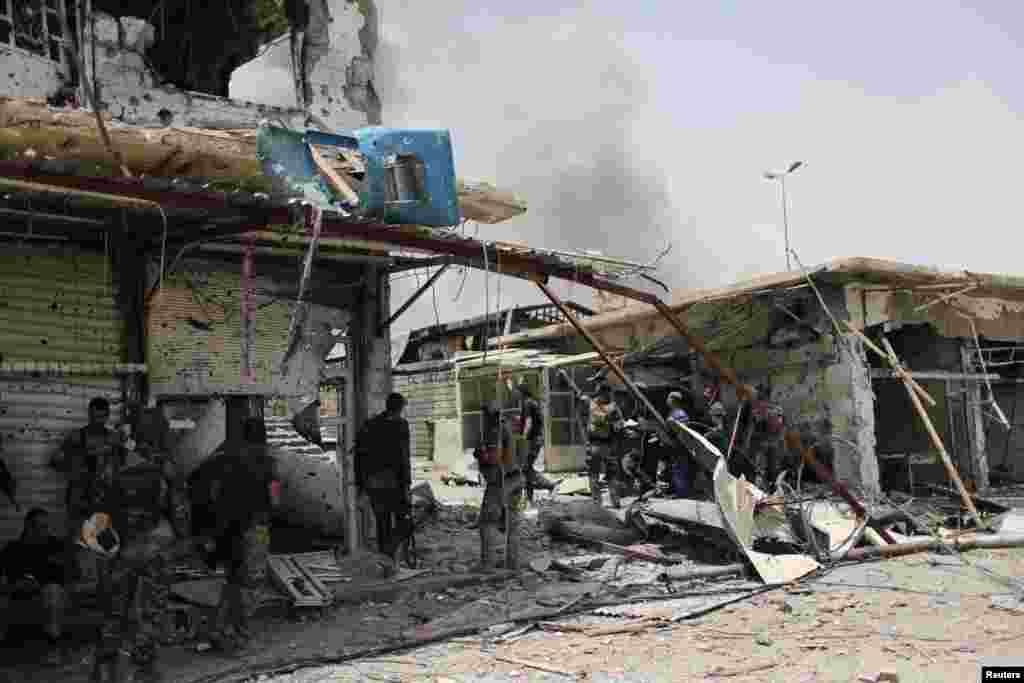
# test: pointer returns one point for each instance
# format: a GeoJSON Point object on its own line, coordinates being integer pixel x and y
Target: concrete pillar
{"type": "Point", "coordinates": [862, 421]}
{"type": "Point", "coordinates": [975, 426]}
{"type": "Point", "coordinates": [371, 379]}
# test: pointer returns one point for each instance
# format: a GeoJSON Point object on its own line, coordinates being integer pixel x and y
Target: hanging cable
{"type": "Point", "coordinates": [433, 293]}
{"type": "Point", "coordinates": [163, 246]}
{"type": "Point", "coordinates": [458, 293]}
{"type": "Point", "coordinates": [487, 302]}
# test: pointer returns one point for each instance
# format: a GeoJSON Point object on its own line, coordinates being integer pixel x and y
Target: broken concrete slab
{"type": "Point", "coordinates": [589, 532]}
{"type": "Point", "coordinates": [573, 486]}
{"type": "Point", "coordinates": [686, 512]}
{"type": "Point", "coordinates": [579, 511]}
{"type": "Point", "coordinates": [364, 565]}
{"type": "Point", "coordinates": [387, 591]}
{"type": "Point", "coordinates": [1011, 522]}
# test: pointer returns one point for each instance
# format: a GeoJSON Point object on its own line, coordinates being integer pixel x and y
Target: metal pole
{"type": "Point", "coordinates": [412, 299]}
{"type": "Point", "coordinates": [785, 219]}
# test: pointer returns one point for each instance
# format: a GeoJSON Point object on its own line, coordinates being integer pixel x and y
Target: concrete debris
{"type": "Point", "coordinates": [1011, 522]}
{"type": "Point", "coordinates": [573, 486]}
{"type": "Point", "coordinates": [1010, 602]}
{"type": "Point", "coordinates": [364, 564]}
{"type": "Point", "coordinates": [880, 677]}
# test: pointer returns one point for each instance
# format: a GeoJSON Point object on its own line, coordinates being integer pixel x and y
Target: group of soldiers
{"type": "Point", "coordinates": [131, 506]}
{"type": "Point", "coordinates": [129, 513]}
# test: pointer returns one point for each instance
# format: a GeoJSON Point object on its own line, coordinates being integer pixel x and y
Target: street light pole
{"type": "Point", "coordinates": [781, 177]}
{"type": "Point", "coordinates": [785, 219]}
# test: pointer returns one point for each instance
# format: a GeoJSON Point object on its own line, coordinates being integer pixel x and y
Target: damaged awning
{"type": "Point", "coordinates": [33, 130]}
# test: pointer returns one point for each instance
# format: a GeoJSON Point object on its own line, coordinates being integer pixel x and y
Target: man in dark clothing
{"type": "Point", "coordinates": [503, 473]}
{"type": "Point", "coordinates": [604, 429]}
{"type": "Point", "coordinates": [245, 491]}
{"type": "Point", "coordinates": [32, 579]}
{"type": "Point", "coordinates": [89, 458]}
{"type": "Point", "coordinates": [383, 469]}
{"type": "Point", "coordinates": [149, 515]}
{"type": "Point", "coordinates": [531, 420]}
{"type": "Point", "coordinates": [765, 438]}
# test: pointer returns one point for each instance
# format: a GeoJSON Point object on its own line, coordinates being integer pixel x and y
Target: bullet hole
{"type": "Point", "coordinates": [54, 306]}
{"type": "Point", "coordinates": [133, 100]}
{"type": "Point", "coordinates": [165, 116]}
{"type": "Point", "coordinates": [43, 342]}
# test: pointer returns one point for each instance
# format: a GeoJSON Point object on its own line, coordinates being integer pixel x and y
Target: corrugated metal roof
{"type": "Point", "coordinates": [879, 272]}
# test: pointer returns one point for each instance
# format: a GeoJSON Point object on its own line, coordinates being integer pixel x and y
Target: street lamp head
{"type": "Point", "coordinates": [795, 165]}
{"type": "Point", "coordinates": [768, 175]}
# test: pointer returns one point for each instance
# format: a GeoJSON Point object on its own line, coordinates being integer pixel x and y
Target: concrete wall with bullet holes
{"type": "Point", "coordinates": [342, 37]}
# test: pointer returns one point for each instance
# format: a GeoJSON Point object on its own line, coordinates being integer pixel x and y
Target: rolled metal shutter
{"type": "Point", "coordinates": [60, 333]}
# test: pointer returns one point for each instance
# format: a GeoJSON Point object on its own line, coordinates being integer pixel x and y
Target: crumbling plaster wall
{"type": "Point", "coordinates": [824, 389]}
{"type": "Point", "coordinates": [194, 339]}
{"type": "Point", "coordinates": [26, 75]}
{"type": "Point", "coordinates": [341, 39]}
{"type": "Point", "coordinates": [132, 92]}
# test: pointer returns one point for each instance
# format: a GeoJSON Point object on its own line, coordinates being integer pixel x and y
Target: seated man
{"type": "Point", "coordinates": [31, 580]}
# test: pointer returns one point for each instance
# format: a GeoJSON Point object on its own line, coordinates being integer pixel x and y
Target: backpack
{"type": "Point", "coordinates": [138, 494]}
{"type": "Point", "coordinates": [600, 419]}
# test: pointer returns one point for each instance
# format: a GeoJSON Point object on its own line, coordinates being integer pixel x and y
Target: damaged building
{"type": "Point", "coordinates": [150, 258]}
{"type": "Point", "coordinates": [957, 332]}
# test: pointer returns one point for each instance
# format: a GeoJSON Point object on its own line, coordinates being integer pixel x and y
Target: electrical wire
{"type": "Point", "coordinates": [487, 303]}
{"type": "Point", "coordinates": [465, 274]}
{"type": "Point", "coordinates": [433, 293]}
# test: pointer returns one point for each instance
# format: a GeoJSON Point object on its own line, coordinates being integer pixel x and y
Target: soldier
{"type": "Point", "coordinates": [683, 474]}
{"type": "Point", "coordinates": [767, 428]}
{"type": "Point", "coordinates": [603, 429]}
{"type": "Point", "coordinates": [144, 503]}
{"type": "Point", "coordinates": [88, 458]}
{"type": "Point", "coordinates": [532, 425]}
{"type": "Point", "coordinates": [504, 479]}
{"type": "Point", "coordinates": [383, 469]}
{"type": "Point", "coordinates": [247, 489]}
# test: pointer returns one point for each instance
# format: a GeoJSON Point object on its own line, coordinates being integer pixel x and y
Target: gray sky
{"type": "Point", "coordinates": [627, 126]}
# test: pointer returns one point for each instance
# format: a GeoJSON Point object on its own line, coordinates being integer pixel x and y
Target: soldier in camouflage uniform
{"type": "Point", "coordinates": [146, 500]}
{"type": "Point", "coordinates": [604, 429]}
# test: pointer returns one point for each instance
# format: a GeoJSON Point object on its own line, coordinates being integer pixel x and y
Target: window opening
{"type": "Point", "coordinates": [34, 26]}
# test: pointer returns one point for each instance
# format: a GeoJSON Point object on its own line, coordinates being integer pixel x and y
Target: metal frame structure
{"type": "Point", "coordinates": [501, 258]}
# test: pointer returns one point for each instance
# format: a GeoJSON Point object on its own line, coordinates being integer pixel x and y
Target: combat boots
{"type": "Point", "coordinates": [595, 487]}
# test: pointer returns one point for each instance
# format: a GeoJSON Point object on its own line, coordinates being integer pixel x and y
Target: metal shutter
{"type": "Point", "coordinates": [58, 322]}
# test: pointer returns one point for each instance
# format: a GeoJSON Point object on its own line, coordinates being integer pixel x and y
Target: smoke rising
{"type": "Point", "coordinates": [545, 107]}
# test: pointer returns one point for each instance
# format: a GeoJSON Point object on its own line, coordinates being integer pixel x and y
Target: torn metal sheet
{"type": "Point", "coordinates": [843, 529]}
{"type": "Point", "coordinates": [736, 499]}
{"type": "Point", "coordinates": [703, 513]}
